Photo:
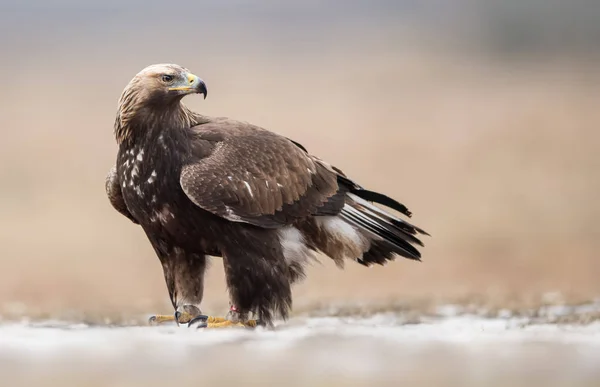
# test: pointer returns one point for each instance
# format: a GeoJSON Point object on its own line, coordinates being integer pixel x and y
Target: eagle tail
{"type": "Point", "coordinates": [387, 234]}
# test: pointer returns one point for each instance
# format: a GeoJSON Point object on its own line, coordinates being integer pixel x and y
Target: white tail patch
{"type": "Point", "coordinates": [348, 241]}
{"type": "Point", "coordinates": [294, 246]}
{"type": "Point", "coordinates": [341, 229]}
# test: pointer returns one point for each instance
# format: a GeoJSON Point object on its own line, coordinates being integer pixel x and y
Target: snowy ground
{"type": "Point", "coordinates": [449, 349]}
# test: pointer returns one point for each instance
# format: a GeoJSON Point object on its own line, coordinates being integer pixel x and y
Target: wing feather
{"type": "Point", "coordinates": [115, 196]}
{"type": "Point", "coordinates": [256, 176]}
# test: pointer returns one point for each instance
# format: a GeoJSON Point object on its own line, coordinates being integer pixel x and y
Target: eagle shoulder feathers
{"type": "Point", "coordinates": [255, 176]}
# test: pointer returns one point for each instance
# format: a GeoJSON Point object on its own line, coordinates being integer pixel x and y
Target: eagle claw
{"type": "Point", "coordinates": [200, 318]}
{"type": "Point", "coordinates": [160, 319]}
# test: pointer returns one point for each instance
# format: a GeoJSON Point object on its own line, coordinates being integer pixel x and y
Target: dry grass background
{"type": "Point", "coordinates": [498, 160]}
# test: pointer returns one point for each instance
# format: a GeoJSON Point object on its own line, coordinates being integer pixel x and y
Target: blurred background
{"type": "Point", "coordinates": [481, 116]}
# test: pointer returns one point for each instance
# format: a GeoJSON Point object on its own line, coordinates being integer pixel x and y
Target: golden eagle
{"type": "Point", "coordinates": [200, 185]}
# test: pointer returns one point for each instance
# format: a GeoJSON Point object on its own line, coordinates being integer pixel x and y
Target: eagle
{"type": "Point", "coordinates": [202, 186]}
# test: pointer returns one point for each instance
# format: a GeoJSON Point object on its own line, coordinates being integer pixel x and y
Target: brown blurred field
{"type": "Point", "coordinates": [498, 159]}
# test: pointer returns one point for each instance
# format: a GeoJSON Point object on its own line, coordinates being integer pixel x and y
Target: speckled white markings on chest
{"type": "Point", "coordinates": [152, 177]}
{"type": "Point", "coordinates": [131, 175]}
{"type": "Point", "coordinates": [162, 215]}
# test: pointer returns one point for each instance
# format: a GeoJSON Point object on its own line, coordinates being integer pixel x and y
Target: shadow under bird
{"type": "Point", "coordinates": [200, 186]}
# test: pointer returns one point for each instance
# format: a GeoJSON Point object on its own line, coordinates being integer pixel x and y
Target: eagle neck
{"type": "Point", "coordinates": [148, 123]}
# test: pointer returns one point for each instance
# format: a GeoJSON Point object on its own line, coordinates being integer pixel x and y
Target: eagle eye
{"type": "Point", "coordinates": [167, 78]}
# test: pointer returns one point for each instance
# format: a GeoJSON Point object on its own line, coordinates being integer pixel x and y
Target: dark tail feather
{"type": "Point", "coordinates": [379, 253]}
{"type": "Point", "coordinates": [397, 222]}
{"type": "Point", "coordinates": [396, 239]}
{"type": "Point", "coordinates": [389, 235]}
{"type": "Point", "coordinates": [391, 225]}
{"type": "Point", "coordinates": [376, 197]}
{"type": "Point", "coordinates": [382, 199]}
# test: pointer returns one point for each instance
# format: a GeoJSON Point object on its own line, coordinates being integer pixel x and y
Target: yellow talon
{"type": "Point", "coordinates": [159, 319]}
{"type": "Point", "coordinates": [215, 320]}
{"type": "Point", "coordinates": [230, 324]}
{"type": "Point", "coordinates": [221, 322]}
{"type": "Point", "coordinates": [225, 324]}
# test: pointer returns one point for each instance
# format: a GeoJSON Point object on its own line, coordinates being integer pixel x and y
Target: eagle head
{"type": "Point", "coordinates": [153, 91]}
{"type": "Point", "coordinates": [166, 82]}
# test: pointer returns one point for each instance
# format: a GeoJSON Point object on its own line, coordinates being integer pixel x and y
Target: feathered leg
{"type": "Point", "coordinates": [258, 282]}
{"type": "Point", "coordinates": [184, 277]}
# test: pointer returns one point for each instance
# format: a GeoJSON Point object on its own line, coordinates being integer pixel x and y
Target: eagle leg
{"type": "Point", "coordinates": [184, 277]}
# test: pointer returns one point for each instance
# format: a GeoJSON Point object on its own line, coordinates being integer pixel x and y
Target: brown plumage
{"type": "Point", "coordinates": [201, 186]}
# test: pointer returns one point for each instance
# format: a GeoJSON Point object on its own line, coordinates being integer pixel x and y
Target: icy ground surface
{"type": "Point", "coordinates": [448, 349]}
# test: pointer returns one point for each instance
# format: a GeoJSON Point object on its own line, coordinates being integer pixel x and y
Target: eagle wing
{"type": "Point", "coordinates": [247, 174]}
{"type": "Point", "coordinates": [115, 196]}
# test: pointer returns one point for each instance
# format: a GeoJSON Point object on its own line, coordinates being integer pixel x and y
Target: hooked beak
{"type": "Point", "coordinates": [192, 85]}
